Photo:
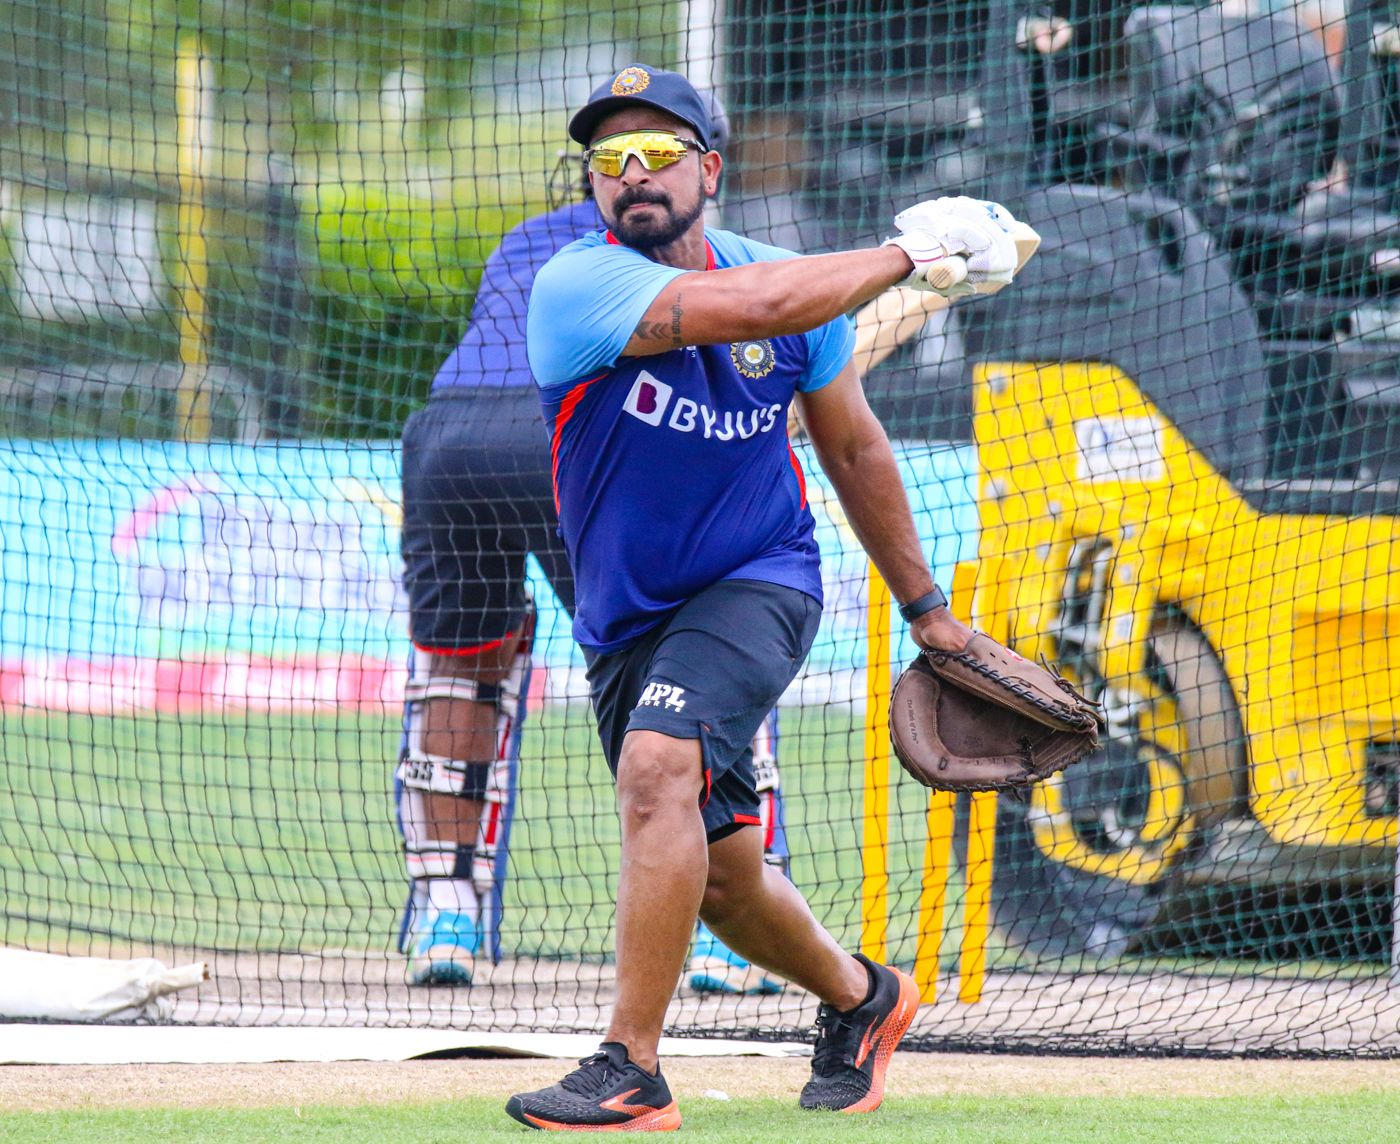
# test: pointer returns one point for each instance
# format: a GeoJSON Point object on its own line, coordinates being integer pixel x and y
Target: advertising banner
{"type": "Point", "coordinates": [139, 575]}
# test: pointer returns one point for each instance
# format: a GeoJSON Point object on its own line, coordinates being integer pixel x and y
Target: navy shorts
{"type": "Point", "coordinates": [478, 497]}
{"type": "Point", "coordinates": [710, 671]}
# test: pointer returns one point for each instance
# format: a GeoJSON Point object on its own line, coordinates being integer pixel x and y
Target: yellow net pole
{"type": "Point", "coordinates": [938, 849]}
{"type": "Point", "coordinates": [933, 894]}
{"type": "Point", "coordinates": [192, 274]}
{"type": "Point", "coordinates": [977, 907]}
{"type": "Point", "coordinates": [875, 882]}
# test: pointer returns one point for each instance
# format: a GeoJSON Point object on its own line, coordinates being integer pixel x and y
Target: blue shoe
{"type": "Point", "coordinates": [715, 968]}
{"type": "Point", "coordinates": [444, 953]}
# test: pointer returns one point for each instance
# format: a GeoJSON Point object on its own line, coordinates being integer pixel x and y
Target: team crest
{"type": "Point", "coordinates": [753, 359]}
{"type": "Point", "coordinates": [631, 81]}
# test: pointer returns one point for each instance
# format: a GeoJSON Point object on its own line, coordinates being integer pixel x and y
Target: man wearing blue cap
{"type": "Point", "coordinates": [667, 355]}
{"type": "Point", "coordinates": [477, 500]}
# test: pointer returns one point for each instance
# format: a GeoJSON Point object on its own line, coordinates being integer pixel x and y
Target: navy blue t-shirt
{"type": "Point", "coordinates": [673, 471]}
{"type": "Point", "coordinates": [492, 351]}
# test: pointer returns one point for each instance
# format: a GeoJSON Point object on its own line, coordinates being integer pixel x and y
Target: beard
{"type": "Point", "coordinates": [652, 233]}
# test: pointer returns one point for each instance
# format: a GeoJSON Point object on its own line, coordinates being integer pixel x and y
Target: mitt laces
{"type": "Point", "coordinates": [1080, 705]}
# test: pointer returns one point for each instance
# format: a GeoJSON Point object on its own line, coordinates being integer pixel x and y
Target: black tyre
{"type": "Point", "coordinates": [1083, 861]}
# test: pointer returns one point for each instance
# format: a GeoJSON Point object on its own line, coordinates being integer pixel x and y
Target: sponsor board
{"type": "Point", "coordinates": [163, 576]}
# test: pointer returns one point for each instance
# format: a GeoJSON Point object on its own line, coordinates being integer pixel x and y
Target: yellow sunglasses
{"type": "Point", "coordinates": [653, 149]}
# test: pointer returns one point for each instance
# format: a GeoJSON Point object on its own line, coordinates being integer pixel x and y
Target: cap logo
{"type": "Point", "coordinates": [631, 81]}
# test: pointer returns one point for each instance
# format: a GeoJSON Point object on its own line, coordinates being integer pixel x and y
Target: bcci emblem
{"type": "Point", "coordinates": [752, 359]}
{"type": "Point", "coordinates": [631, 81]}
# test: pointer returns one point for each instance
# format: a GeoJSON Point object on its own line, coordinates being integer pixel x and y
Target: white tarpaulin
{"type": "Point", "coordinates": [184, 1044]}
{"type": "Point", "coordinates": [47, 986]}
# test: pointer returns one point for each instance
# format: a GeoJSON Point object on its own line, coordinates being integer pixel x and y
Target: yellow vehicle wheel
{"type": "Point", "coordinates": [1085, 858]}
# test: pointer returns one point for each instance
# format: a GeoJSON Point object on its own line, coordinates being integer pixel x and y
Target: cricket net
{"type": "Point", "coordinates": [237, 241]}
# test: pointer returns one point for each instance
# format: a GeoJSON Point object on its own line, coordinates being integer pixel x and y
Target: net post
{"type": "Point", "coordinates": [977, 904]}
{"type": "Point", "coordinates": [933, 896]}
{"type": "Point", "coordinates": [1395, 919]}
{"type": "Point", "coordinates": [702, 47]}
{"type": "Point", "coordinates": [938, 849]}
{"type": "Point", "coordinates": [875, 882]}
{"type": "Point", "coordinates": [964, 587]}
{"type": "Point", "coordinates": [192, 130]}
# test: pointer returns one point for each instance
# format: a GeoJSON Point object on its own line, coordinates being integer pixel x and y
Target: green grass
{"type": "Point", "coordinates": [254, 831]}
{"type": "Point", "coordinates": [1061, 1120]}
{"type": "Point", "coordinates": [243, 832]}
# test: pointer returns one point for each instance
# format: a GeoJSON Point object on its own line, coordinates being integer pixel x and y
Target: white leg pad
{"type": "Point", "coordinates": [499, 789]}
{"type": "Point", "coordinates": [424, 856]}
{"type": "Point", "coordinates": [418, 769]}
{"type": "Point", "coordinates": [768, 784]}
{"type": "Point", "coordinates": [765, 758]}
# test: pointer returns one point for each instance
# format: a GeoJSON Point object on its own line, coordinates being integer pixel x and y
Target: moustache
{"type": "Point", "coordinates": [633, 198]}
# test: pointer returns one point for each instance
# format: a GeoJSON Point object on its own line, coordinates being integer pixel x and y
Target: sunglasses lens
{"type": "Point", "coordinates": [654, 151]}
{"type": "Point", "coordinates": [662, 153]}
{"type": "Point", "coordinates": [605, 161]}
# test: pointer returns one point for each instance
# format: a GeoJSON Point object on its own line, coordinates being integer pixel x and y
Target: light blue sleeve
{"type": "Point", "coordinates": [829, 348]}
{"type": "Point", "coordinates": [585, 305]}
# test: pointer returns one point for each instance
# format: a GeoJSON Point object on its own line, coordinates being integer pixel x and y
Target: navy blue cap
{"type": "Point", "coordinates": [667, 91]}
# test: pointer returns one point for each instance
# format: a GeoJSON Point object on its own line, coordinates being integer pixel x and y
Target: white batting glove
{"type": "Point", "coordinates": [984, 228]}
{"type": "Point", "coordinates": [937, 263]}
{"type": "Point", "coordinates": [978, 210]}
{"type": "Point", "coordinates": [968, 207]}
{"type": "Point", "coordinates": [973, 230]}
{"type": "Point", "coordinates": [963, 207]}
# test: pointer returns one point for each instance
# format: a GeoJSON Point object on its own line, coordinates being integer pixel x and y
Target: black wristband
{"type": "Point", "coordinates": [923, 605]}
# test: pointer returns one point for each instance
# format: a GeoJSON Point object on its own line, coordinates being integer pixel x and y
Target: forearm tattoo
{"type": "Point", "coordinates": [663, 331]}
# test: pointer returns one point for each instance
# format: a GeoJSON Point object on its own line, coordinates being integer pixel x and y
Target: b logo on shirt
{"type": "Point", "coordinates": [648, 399]}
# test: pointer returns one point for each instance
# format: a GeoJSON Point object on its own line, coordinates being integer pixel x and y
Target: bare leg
{"type": "Point", "coordinates": [714, 967]}
{"type": "Point", "coordinates": [761, 916]}
{"type": "Point", "coordinates": [660, 884]}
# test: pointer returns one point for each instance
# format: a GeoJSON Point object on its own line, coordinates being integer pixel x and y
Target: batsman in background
{"type": "Point", "coordinates": [477, 500]}
{"type": "Point", "coordinates": [667, 356]}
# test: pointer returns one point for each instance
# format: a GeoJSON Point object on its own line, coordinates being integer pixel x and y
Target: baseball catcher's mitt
{"type": "Point", "coordinates": [985, 718]}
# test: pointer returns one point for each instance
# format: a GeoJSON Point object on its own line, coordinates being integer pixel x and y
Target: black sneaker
{"type": "Point", "coordinates": [606, 1093]}
{"type": "Point", "coordinates": [853, 1049]}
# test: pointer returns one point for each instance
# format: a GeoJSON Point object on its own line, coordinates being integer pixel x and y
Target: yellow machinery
{"type": "Point", "coordinates": [1248, 660]}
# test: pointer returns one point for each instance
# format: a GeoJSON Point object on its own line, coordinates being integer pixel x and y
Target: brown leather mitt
{"type": "Point", "coordinates": [985, 718]}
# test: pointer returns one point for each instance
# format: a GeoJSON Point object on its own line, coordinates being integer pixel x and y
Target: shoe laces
{"type": "Point", "coordinates": [833, 1050]}
{"type": "Point", "coordinates": [594, 1074]}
